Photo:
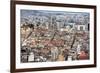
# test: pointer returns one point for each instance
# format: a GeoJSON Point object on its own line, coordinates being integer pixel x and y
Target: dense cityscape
{"type": "Point", "coordinates": [49, 36]}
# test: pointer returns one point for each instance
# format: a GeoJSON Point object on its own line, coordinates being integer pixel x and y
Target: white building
{"type": "Point", "coordinates": [80, 27]}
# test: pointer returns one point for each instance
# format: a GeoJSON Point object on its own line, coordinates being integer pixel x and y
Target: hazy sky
{"type": "Point", "coordinates": [25, 13]}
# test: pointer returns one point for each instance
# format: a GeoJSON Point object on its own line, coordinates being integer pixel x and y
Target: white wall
{"type": "Point", "coordinates": [5, 36]}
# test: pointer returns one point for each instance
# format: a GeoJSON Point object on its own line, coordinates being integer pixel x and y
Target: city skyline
{"type": "Point", "coordinates": [60, 15]}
